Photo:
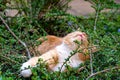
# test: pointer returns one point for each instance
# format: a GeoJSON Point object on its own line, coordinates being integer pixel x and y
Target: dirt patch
{"type": "Point", "coordinates": [82, 7]}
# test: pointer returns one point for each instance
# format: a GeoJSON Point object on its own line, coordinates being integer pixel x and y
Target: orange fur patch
{"type": "Point", "coordinates": [50, 43]}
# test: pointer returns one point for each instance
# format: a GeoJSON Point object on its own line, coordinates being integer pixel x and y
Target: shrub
{"type": "Point", "coordinates": [102, 29]}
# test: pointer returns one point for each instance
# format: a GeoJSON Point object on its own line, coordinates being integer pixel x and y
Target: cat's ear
{"type": "Point", "coordinates": [86, 56]}
{"type": "Point", "coordinates": [94, 49]}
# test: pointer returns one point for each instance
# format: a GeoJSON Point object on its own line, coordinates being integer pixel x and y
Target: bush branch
{"type": "Point", "coordinates": [23, 43]}
{"type": "Point", "coordinates": [96, 17]}
{"type": "Point", "coordinates": [105, 70]}
{"type": "Point", "coordinates": [91, 62]}
{"type": "Point", "coordinates": [76, 51]}
{"type": "Point", "coordinates": [8, 59]}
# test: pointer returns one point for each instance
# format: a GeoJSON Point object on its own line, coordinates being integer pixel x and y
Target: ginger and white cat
{"type": "Point", "coordinates": [55, 57]}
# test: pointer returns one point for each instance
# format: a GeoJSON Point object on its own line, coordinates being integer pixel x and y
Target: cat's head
{"type": "Point", "coordinates": [78, 36]}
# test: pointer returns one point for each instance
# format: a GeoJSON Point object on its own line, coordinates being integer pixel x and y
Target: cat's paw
{"type": "Point", "coordinates": [25, 71]}
{"type": "Point", "coordinates": [25, 66]}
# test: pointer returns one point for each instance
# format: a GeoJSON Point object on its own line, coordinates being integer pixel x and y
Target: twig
{"type": "Point", "coordinates": [91, 66]}
{"type": "Point", "coordinates": [113, 37]}
{"type": "Point", "coordinates": [95, 24]}
{"type": "Point", "coordinates": [96, 17]}
{"type": "Point", "coordinates": [73, 53]}
{"type": "Point", "coordinates": [99, 72]}
{"type": "Point", "coordinates": [8, 59]}
{"type": "Point", "coordinates": [81, 68]}
{"type": "Point", "coordinates": [23, 43]}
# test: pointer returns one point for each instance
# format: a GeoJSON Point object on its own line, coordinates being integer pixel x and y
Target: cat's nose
{"type": "Point", "coordinates": [82, 35]}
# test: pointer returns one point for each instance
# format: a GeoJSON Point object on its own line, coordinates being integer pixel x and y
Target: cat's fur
{"type": "Point", "coordinates": [56, 56]}
{"type": "Point", "coordinates": [48, 42]}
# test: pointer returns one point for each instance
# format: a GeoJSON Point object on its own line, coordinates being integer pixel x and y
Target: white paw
{"type": "Point", "coordinates": [25, 65]}
{"type": "Point", "coordinates": [26, 73]}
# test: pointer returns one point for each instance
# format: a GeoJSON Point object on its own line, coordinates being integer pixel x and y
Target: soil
{"type": "Point", "coordinates": [82, 7]}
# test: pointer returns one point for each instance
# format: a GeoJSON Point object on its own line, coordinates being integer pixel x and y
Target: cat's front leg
{"type": "Point", "coordinates": [25, 68]}
{"type": "Point", "coordinates": [50, 58]}
{"type": "Point", "coordinates": [25, 71]}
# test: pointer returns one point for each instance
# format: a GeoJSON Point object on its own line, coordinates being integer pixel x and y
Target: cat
{"type": "Point", "coordinates": [49, 42]}
{"type": "Point", "coordinates": [56, 56]}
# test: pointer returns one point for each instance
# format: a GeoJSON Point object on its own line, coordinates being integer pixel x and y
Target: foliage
{"type": "Point", "coordinates": [56, 21]}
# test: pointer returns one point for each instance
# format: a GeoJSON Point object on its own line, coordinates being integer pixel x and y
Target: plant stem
{"type": "Point", "coordinates": [91, 66]}
{"type": "Point", "coordinates": [105, 70]}
{"type": "Point", "coordinates": [8, 59]}
{"type": "Point", "coordinates": [23, 43]}
{"type": "Point", "coordinates": [96, 17]}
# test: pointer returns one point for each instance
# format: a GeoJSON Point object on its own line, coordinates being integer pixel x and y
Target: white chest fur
{"type": "Point", "coordinates": [63, 53]}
